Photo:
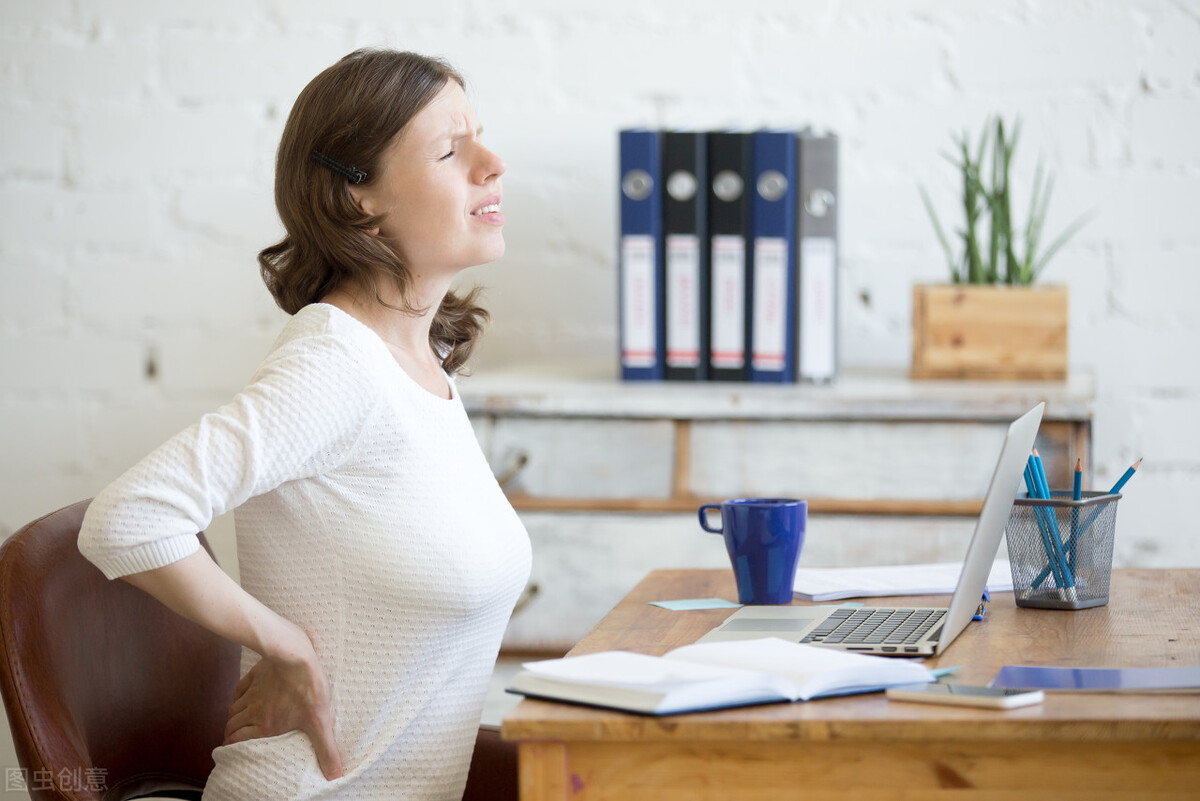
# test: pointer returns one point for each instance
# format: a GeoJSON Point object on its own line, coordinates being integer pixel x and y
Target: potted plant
{"type": "Point", "coordinates": [991, 321]}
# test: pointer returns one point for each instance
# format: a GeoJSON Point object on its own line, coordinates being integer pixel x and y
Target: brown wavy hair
{"type": "Point", "coordinates": [350, 113]}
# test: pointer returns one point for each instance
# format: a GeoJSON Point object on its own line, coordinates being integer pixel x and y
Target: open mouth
{"type": "Point", "coordinates": [490, 206]}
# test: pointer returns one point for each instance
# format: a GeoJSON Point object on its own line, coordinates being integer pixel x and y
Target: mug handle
{"type": "Point", "coordinates": [704, 518]}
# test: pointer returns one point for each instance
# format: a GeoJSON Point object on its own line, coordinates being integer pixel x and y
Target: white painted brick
{"type": "Point", "coordinates": [68, 363]}
{"type": "Point", "coordinates": [492, 66]}
{"type": "Point", "coordinates": [1128, 357]}
{"type": "Point", "coordinates": [708, 64]}
{"type": "Point", "coordinates": [134, 292]}
{"type": "Point", "coordinates": [116, 435]}
{"type": "Point", "coordinates": [35, 12]}
{"type": "Point", "coordinates": [167, 145]}
{"type": "Point", "coordinates": [26, 497]}
{"type": "Point", "coordinates": [78, 73]}
{"type": "Point", "coordinates": [408, 12]}
{"type": "Point", "coordinates": [38, 216]}
{"type": "Point", "coordinates": [247, 65]}
{"type": "Point", "coordinates": [1169, 434]}
{"type": "Point", "coordinates": [800, 60]}
{"type": "Point", "coordinates": [1156, 505]}
{"type": "Point", "coordinates": [1166, 131]}
{"type": "Point", "coordinates": [1086, 134]}
{"type": "Point", "coordinates": [228, 214]}
{"type": "Point", "coordinates": [128, 14]}
{"type": "Point", "coordinates": [1085, 273]}
{"type": "Point", "coordinates": [34, 140]}
{"type": "Point", "coordinates": [1137, 209]}
{"type": "Point", "coordinates": [1052, 57]}
{"type": "Point", "coordinates": [1172, 59]}
{"type": "Point", "coordinates": [31, 290]}
{"type": "Point", "coordinates": [1158, 286]}
{"type": "Point", "coordinates": [45, 435]}
{"type": "Point", "coordinates": [891, 213]}
{"type": "Point", "coordinates": [212, 365]}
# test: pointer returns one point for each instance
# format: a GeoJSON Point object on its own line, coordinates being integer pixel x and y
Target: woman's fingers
{"type": "Point", "coordinates": [242, 734]}
{"type": "Point", "coordinates": [244, 682]}
{"type": "Point", "coordinates": [237, 720]}
{"type": "Point", "coordinates": [328, 756]}
{"type": "Point", "coordinates": [277, 697]}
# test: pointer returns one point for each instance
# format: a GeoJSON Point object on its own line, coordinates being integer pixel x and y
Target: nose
{"type": "Point", "coordinates": [488, 166]}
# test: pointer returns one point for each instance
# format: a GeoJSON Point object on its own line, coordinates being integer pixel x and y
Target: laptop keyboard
{"type": "Point", "coordinates": [875, 626]}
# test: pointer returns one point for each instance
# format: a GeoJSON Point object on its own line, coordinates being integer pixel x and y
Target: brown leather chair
{"type": "Point", "coordinates": [112, 696]}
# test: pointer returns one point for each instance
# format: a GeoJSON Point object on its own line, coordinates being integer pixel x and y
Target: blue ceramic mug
{"type": "Point", "coordinates": [763, 537]}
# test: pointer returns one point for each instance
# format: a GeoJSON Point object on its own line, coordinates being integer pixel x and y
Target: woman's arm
{"type": "Point", "coordinates": [287, 689]}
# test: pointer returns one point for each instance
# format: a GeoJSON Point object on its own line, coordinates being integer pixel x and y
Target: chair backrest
{"type": "Point", "coordinates": [109, 694]}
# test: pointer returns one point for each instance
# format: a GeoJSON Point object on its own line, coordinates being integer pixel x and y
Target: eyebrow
{"type": "Point", "coordinates": [459, 133]}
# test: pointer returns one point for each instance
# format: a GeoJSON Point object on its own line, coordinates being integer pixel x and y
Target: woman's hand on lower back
{"type": "Point", "coordinates": [283, 693]}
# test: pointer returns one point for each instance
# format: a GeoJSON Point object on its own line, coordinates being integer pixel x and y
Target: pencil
{"type": "Point", "coordinates": [1083, 527]}
{"type": "Point", "coordinates": [1124, 479]}
{"type": "Point", "coordinates": [1121, 482]}
{"type": "Point", "coordinates": [1039, 475]}
{"type": "Point", "coordinates": [1077, 495]}
{"type": "Point", "coordinates": [1052, 563]}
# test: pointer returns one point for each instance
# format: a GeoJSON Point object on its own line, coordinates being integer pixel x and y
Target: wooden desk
{"type": "Point", "coordinates": [863, 747]}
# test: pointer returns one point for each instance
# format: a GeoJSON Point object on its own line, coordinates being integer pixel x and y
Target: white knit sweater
{"type": "Point", "coordinates": [366, 514]}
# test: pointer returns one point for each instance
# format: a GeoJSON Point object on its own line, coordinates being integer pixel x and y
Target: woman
{"type": "Point", "coordinates": [379, 559]}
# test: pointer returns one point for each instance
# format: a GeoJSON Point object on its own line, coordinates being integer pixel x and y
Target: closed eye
{"type": "Point", "coordinates": [447, 156]}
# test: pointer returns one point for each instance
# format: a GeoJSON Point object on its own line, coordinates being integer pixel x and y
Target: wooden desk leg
{"type": "Point", "coordinates": [542, 771]}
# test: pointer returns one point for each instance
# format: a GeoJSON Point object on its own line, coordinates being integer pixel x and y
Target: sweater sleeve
{"type": "Point", "coordinates": [300, 416]}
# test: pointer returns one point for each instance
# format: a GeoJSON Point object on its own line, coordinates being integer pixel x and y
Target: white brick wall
{"type": "Point", "coordinates": [137, 140]}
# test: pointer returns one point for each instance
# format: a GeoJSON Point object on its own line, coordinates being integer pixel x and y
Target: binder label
{"type": "Point", "coordinates": [818, 334]}
{"type": "Point", "coordinates": [769, 336]}
{"type": "Point", "coordinates": [638, 348]}
{"type": "Point", "coordinates": [728, 301]}
{"type": "Point", "coordinates": [683, 294]}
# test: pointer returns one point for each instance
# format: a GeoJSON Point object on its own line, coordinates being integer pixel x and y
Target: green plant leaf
{"type": "Point", "coordinates": [1061, 240]}
{"type": "Point", "coordinates": [941, 235]}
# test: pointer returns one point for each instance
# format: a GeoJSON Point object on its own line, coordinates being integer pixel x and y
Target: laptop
{"type": "Point", "coordinates": [907, 631]}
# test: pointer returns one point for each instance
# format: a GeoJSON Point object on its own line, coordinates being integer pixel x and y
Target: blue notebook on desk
{"type": "Point", "coordinates": [1100, 680]}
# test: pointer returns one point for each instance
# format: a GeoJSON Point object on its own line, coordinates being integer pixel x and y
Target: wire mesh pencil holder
{"type": "Point", "coordinates": [1061, 549]}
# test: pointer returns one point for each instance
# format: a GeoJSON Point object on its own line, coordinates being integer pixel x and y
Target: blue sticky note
{"type": "Point", "coordinates": [695, 603]}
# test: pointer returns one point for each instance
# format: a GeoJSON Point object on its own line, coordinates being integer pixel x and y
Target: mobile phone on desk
{"type": "Point", "coordinates": [965, 695]}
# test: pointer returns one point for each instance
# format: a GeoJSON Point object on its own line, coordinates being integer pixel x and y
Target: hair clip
{"type": "Point", "coordinates": [352, 174]}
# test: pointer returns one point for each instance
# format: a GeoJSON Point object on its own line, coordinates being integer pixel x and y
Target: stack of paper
{"type": "Point", "coordinates": [940, 578]}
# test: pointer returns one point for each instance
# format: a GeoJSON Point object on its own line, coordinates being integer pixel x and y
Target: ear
{"type": "Point", "coordinates": [365, 202]}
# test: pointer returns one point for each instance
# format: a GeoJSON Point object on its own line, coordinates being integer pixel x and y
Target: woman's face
{"type": "Point", "coordinates": [439, 190]}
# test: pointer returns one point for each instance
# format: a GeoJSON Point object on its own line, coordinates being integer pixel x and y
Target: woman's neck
{"type": "Point", "coordinates": [406, 333]}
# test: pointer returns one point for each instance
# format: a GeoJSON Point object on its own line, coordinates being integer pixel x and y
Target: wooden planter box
{"type": "Point", "coordinates": [989, 332]}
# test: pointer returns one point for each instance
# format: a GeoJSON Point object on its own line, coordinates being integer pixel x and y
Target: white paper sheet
{"type": "Point", "coordinates": [940, 578]}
